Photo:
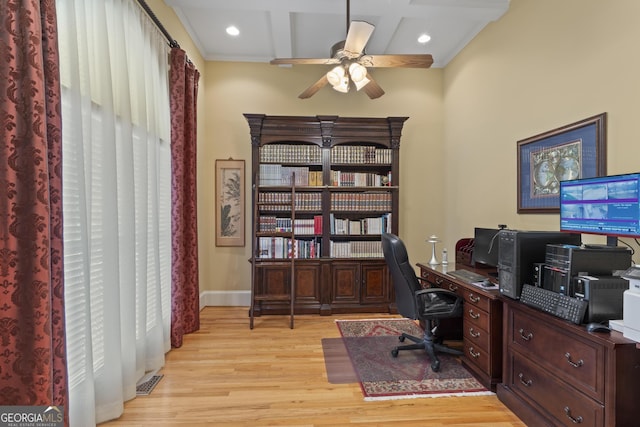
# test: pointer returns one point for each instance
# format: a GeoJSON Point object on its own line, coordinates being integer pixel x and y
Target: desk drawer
{"type": "Point", "coordinates": [476, 299]}
{"type": "Point", "coordinates": [573, 360]}
{"type": "Point", "coordinates": [476, 336]}
{"type": "Point", "coordinates": [450, 286]}
{"type": "Point", "coordinates": [555, 398]}
{"type": "Point", "coordinates": [428, 279]}
{"type": "Point", "coordinates": [476, 355]}
{"type": "Point", "coordinates": [473, 316]}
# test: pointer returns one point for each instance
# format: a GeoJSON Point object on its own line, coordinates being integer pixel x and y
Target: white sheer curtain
{"type": "Point", "coordinates": [116, 197]}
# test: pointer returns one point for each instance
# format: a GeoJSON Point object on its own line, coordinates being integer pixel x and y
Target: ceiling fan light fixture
{"type": "Point", "coordinates": [362, 83]}
{"type": "Point", "coordinates": [357, 72]}
{"type": "Point", "coordinates": [336, 75]}
{"type": "Point", "coordinates": [232, 30]}
{"type": "Point", "coordinates": [343, 86]}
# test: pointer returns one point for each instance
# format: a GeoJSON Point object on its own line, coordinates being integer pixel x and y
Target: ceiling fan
{"type": "Point", "coordinates": [351, 62]}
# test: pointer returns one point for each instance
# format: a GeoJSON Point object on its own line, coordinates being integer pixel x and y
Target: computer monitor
{"type": "Point", "coordinates": [606, 205]}
{"type": "Point", "coordinates": [485, 247]}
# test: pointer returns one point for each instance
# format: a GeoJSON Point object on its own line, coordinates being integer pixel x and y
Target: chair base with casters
{"type": "Point", "coordinates": [429, 343]}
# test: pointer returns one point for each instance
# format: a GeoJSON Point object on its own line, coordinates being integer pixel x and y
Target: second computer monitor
{"type": "Point", "coordinates": [485, 247]}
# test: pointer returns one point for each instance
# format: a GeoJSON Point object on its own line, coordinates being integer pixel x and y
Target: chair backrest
{"type": "Point", "coordinates": [404, 278]}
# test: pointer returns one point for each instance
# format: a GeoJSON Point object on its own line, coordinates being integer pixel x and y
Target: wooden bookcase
{"type": "Point", "coordinates": [324, 189]}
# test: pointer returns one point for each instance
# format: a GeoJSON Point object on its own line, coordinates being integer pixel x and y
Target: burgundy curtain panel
{"type": "Point", "coordinates": [185, 293]}
{"type": "Point", "coordinates": [32, 330]}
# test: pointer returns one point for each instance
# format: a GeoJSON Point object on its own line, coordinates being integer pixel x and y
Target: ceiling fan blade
{"type": "Point", "coordinates": [311, 90]}
{"type": "Point", "coordinates": [373, 89]}
{"type": "Point", "coordinates": [407, 61]}
{"type": "Point", "coordinates": [304, 61]}
{"type": "Point", "coordinates": [357, 38]}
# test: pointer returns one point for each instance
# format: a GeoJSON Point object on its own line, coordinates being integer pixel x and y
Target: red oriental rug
{"type": "Point", "coordinates": [368, 344]}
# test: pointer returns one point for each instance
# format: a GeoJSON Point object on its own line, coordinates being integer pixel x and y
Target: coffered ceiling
{"type": "Point", "coordinates": [308, 28]}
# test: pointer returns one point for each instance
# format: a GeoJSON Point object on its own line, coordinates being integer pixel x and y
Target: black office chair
{"type": "Point", "coordinates": [413, 302]}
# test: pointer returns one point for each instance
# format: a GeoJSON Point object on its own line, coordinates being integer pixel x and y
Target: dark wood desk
{"type": "Point", "coordinates": [556, 373]}
{"type": "Point", "coordinates": [481, 322]}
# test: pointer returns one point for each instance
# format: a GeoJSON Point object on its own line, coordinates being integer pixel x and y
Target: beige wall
{"type": "Point", "coordinates": [546, 63]}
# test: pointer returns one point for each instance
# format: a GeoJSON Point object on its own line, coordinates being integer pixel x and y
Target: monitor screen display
{"type": "Point", "coordinates": [485, 247]}
{"type": "Point", "coordinates": [605, 205]}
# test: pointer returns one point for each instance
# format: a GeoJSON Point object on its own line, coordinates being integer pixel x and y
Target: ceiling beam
{"type": "Point", "coordinates": [282, 30]}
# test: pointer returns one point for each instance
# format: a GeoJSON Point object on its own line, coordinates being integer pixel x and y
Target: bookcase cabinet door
{"type": "Point", "coordinates": [273, 279]}
{"type": "Point", "coordinates": [375, 283]}
{"type": "Point", "coordinates": [363, 284]}
{"type": "Point", "coordinates": [307, 288]}
{"type": "Point", "coordinates": [345, 283]}
{"type": "Point", "coordinates": [273, 284]}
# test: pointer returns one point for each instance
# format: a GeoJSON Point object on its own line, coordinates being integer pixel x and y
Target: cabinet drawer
{"type": "Point", "coordinates": [473, 316]}
{"type": "Point", "coordinates": [476, 299]}
{"type": "Point", "coordinates": [571, 359]}
{"type": "Point", "coordinates": [555, 398]}
{"type": "Point", "coordinates": [476, 355]}
{"type": "Point", "coordinates": [476, 336]}
{"type": "Point", "coordinates": [449, 285]}
{"type": "Point", "coordinates": [427, 277]}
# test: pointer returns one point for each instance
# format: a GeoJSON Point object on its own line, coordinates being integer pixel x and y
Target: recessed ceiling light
{"type": "Point", "coordinates": [233, 30]}
{"type": "Point", "coordinates": [424, 38]}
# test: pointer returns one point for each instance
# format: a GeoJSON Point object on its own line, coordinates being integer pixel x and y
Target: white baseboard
{"type": "Point", "coordinates": [225, 299]}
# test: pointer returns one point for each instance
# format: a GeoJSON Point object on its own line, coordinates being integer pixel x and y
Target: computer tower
{"type": "Point", "coordinates": [604, 296]}
{"type": "Point", "coordinates": [564, 262]}
{"type": "Point", "coordinates": [519, 251]}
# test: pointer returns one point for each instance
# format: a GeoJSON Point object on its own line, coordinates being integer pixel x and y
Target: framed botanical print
{"type": "Point", "coordinates": [230, 202]}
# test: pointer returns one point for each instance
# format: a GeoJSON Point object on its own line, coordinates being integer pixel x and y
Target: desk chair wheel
{"type": "Point", "coordinates": [394, 352]}
{"type": "Point", "coordinates": [401, 338]}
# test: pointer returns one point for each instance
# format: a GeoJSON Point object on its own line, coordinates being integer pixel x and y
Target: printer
{"type": "Point", "coordinates": [631, 304]}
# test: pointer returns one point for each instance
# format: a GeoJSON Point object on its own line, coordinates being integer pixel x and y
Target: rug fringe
{"type": "Point", "coordinates": [433, 395]}
{"type": "Point", "coordinates": [372, 320]}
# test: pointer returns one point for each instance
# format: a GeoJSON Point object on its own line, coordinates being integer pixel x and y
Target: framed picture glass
{"type": "Point", "coordinates": [230, 202]}
{"type": "Point", "coordinates": [577, 150]}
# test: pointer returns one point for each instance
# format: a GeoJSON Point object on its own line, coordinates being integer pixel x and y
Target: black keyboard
{"type": "Point", "coordinates": [562, 306]}
{"type": "Point", "coordinates": [466, 276]}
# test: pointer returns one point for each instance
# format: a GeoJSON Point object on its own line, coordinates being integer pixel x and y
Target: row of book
{"type": "Point", "coordinates": [364, 226]}
{"type": "Point", "coordinates": [361, 201]}
{"type": "Point", "coordinates": [287, 153]}
{"type": "Point", "coordinates": [359, 179]}
{"type": "Point", "coordinates": [277, 175]}
{"type": "Point", "coordinates": [281, 201]}
{"type": "Point", "coordinates": [302, 226]}
{"type": "Point", "coordinates": [313, 226]}
{"type": "Point", "coordinates": [356, 249]}
{"type": "Point", "coordinates": [360, 154]}
{"type": "Point", "coordinates": [285, 248]}
{"type": "Point", "coordinates": [302, 176]}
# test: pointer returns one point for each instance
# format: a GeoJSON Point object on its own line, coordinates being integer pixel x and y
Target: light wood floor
{"type": "Point", "coordinates": [229, 375]}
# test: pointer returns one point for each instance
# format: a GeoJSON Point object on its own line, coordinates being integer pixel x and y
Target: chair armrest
{"type": "Point", "coordinates": [437, 302]}
{"type": "Point", "coordinates": [436, 291]}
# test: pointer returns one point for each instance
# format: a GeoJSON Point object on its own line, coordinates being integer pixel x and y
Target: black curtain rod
{"type": "Point", "coordinates": [154, 18]}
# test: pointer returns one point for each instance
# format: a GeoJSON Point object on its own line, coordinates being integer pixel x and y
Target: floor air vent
{"type": "Point", "coordinates": [146, 386]}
